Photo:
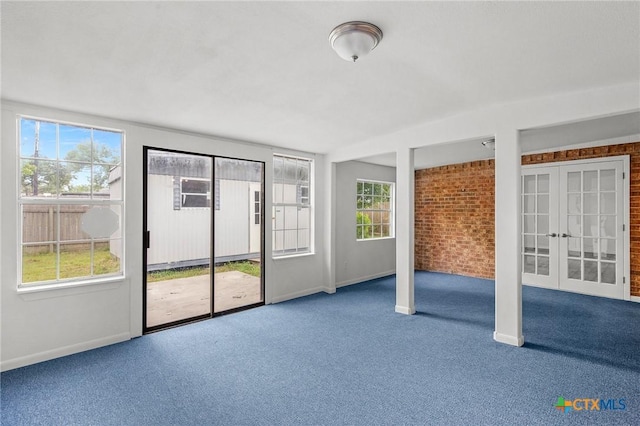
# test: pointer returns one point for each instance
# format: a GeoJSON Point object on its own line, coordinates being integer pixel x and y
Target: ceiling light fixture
{"type": "Point", "coordinates": [354, 39]}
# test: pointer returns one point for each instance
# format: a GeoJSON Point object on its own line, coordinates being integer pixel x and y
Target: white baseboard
{"type": "Point", "coordinates": [405, 310]}
{"type": "Point", "coordinates": [635, 299]}
{"type": "Point", "coordinates": [367, 278]}
{"type": "Point", "coordinates": [509, 340]}
{"type": "Point", "coordinates": [63, 351]}
{"type": "Point", "coordinates": [301, 293]}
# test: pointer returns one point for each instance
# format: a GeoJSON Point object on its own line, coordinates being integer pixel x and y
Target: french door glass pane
{"type": "Point", "coordinates": [590, 270]}
{"type": "Point", "coordinates": [529, 205]}
{"type": "Point", "coordinates": [597, 236]}
{"type": "Point", "coordinates": [543, 265]}
{"type": "Point", "coordinates": [529, 184]}
{"type": "Point", "coordinates": [543, 184]}
{"type": "Point", "coordinates": [529, 264]}
{"type": "Point", "coordinates": [574, 182]}
{"type": "Point", "coordinates": [607, 180]}
{"type": "Point", "coordinates": [535, 224]}
{"type": "Point", "coordinates": [607, 273]}
{"type": "Point", "coordinates": [574, 269]}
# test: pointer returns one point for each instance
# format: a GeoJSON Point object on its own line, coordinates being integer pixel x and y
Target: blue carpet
{"type": "Point", "coordinates": [348, 359]}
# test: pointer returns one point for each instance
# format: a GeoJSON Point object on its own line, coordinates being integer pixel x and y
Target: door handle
{"type": "Point", "coordinates": [553, 234]}
{"type": "Point", "coordinates": [565, 235]}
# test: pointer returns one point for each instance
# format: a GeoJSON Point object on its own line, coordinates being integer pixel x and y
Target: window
{"type": "Point", "coordinates": [256, 208]}
{"type": "Point", "coordinates": [195, 193]}
{"type": "Point", "coordinates": [291, 205]}
{"type": "Point", "coordinates": [374, 210]}
{"type": "Point", "coordinates": [71, 203]}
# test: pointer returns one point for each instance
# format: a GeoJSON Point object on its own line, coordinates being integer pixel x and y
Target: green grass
{"type": "Point", "coordinates": [246, 267]}
{"type": "Point", "coordinates": [42, 266]}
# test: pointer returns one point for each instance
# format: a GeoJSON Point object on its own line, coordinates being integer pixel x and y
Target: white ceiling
{"type": "Point", "coordinates": [264, 71]}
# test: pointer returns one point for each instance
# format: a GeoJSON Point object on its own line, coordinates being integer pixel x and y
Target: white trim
{"type": "Point", "coordinates": [634, 299]}
{"type": "Point", "coordinates": [374, 238]}
{"type": "Point", "coordinates": [293, 255]}
{"type": "Point", "coordinates": [405, 310]}
{"type": "Point", "coordinates": [68, 123]}
{"type": "Point", "coordinates": [626, 188]}
{"type": "Point", "coordinates": [366, 278]}
{"type": "Point", "coordinates": [68, 288]}
{"type": "Point", "coordinates": [301, 293]}
{"type": "Point", "coordinates": [509, 340]}
{"type": "Point", "coordinates": [63, 351]}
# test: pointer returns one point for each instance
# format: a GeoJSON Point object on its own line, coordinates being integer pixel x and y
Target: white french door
{"type": "Point", "coordinates": [573, 226]}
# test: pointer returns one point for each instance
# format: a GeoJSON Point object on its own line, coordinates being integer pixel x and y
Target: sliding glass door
{"type": "Point", "coordinates": [238, 234]}
{"type": "Point", "coordinates": [204, 236]}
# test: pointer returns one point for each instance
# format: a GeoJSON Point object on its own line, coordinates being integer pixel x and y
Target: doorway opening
{"type": "Point", "coordinates": [574, 235]}
{"type": "Point", "coordinates": [204, 237]}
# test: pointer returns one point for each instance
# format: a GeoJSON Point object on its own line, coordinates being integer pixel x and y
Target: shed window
{"type": "Point", "coordinates": [195, 192]}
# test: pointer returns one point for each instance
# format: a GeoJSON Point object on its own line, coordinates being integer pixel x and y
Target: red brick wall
{"type": "Point", "coordinates": [454, 219]}
{"type": "Point", "coordinates": [454, 213]}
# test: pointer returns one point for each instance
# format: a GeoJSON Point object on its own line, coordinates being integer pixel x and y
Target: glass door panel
{"type": "Point", "coordinates": [239, 220]}
{"type": "Point", "coordinates": [178, 239]}
{"type": "Point", "coordinates": [592, 207]}
{"type": "Point", "coordinates": [539, 224]}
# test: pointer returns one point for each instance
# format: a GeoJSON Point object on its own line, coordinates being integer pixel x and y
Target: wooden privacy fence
{"type": "Point", "coordinates": [40, 225]}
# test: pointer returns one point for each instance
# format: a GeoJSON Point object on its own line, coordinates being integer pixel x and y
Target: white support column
{"type": "Point", "coordinates": [508, 275]}
{"type": "Point", "coordinates": [405, 183]}
{"type": "Point", "coordinates": [329, 246]}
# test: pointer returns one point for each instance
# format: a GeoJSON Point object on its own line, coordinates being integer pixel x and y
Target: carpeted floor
{"type": "Point", "coordinates": [349, 359]}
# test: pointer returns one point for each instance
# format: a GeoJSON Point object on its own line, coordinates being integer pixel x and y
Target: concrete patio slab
{"type": "Point", "coordinates": [182, 298]}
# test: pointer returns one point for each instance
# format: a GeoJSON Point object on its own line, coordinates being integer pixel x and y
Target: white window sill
{"type": "Point", "coordinates": [290, 256]}
{"type": "Point", "coordinates": [44, 291]}
{"type": "Point", "coordinates": [375, 239]}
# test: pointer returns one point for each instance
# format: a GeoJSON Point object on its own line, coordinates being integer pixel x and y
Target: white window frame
{"type": "Point", "coordinates": [301, 202]}
{"type": "Point", "coordinates": [390, 211]}
{"type": "Point", "coordinates": [78, 200]}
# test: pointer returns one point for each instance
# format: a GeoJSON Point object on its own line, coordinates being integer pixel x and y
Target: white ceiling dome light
{"type": "Point", "coordinates": [354, 39]}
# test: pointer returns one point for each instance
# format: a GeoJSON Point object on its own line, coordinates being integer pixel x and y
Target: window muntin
{"type": "Point", "coordinates": [374, 209]}
{"type": "Point", "coordinates": [70, 202]}
{"type": "Point", "coordinates": [292, 205]}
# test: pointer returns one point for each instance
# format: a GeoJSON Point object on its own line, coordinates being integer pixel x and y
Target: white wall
{"type": "Point", "coordinates": [359, 260]}
{"type": "Point", "coordinates": [41, 325]}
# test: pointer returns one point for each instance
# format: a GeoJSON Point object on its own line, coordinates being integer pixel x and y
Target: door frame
{"type": "Point", "coordinates": [626, 191]}
{"type": "Point", "coordinates": [146, 241]}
